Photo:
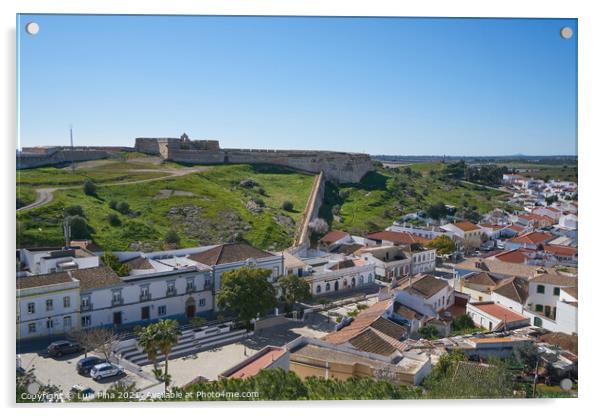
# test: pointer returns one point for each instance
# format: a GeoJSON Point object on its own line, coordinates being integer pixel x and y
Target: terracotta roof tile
{"type": "Point", "coordinates": [41, 280]}
{"type": "Point", "coordinates": [333, 236]}
{"type": "Point", "coordinates": [229, 253]}
{"type": "Point", "coordinates": [498, 311]}
{"type": "Point", "coordinates": [364, 319]}
{"type": "Point", "coordinates": [96, 277]}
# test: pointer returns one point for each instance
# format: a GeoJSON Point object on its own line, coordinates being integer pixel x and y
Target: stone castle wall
{"type": "Point", "coordinates": [26, 160]}
{"type": "Point", "coordinates": [337, 166]}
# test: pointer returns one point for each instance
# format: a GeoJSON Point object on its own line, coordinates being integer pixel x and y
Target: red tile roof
{"type": "Point", "coordinates": [560, 250]}
{"type": "Point", "coordinates": [534, 237]}
{"type": "Point", "coordinates": [363, 320]}
{"type": "Point", "coordinates": [397, 237]}
{"type": "Point", "coordinates": [257, 364]}
{"type": "Point", "coordinates": [229, 253]}
{"type": "Point", "coordinates": [512, 256]}
{"type": "Point", "coordinates": [498, 311]}
{"type": "Point", "coordinates": [333, 237]}
{"type": "Point", "coordinates": [466, 226]}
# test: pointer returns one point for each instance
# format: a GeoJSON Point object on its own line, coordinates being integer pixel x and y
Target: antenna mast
{"type": "Point", "coordinates": [72, 149]}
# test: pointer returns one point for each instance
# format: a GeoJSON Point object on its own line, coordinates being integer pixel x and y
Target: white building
{"type": "Point", "coordinates": [47, 305]}
{"type": "Point", "coordinates": [50, 260]}
{"type": "Point", "coordinates": [328, 275]}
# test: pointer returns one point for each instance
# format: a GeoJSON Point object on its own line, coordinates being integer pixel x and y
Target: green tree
{"type": "Point", "coordinates": [294, 289]}
{"type": "Point", "coordinates": [288, 206]}
{"type": "Point", "coordinates": [166, 337]}
{"type": "Point", "coordinates": [443, 244]}
{"type": "Point", "coordinates": [74, 210]}
{"type": "Point", "coordinates": [462, 323]}
{"type": "Point", "coordinates": [123, 207]}
{"type": "Point", "coordinates": [79, 226]}
{"type": "Point", "coordinates": [90, 188]}
{"type": "Point", "coordinates": [147, 340]}
{"type": "Point", "coordinates": [172, 237]}
{"type": "Point", "coordinates": [437, 211]}
{"type": "Point", "coordinates": [114, 219]}
{"type": "Point", "coordinates": [246, 293]}
{"type": "Point", "coordinates": [429, 332]}
{"type": "Point", "coordinates": [110, 260]}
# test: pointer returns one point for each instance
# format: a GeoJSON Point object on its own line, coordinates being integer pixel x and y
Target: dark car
{"type": "Point", "coordinates": [60, 348]}
{"type": "Point", "coordinates": [86, 364]}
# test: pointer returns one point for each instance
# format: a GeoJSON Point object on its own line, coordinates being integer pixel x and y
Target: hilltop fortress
{"type": "Point", "coordinates": [337, 166]}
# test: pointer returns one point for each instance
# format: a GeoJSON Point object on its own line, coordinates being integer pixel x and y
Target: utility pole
{"type": "Point", "coordinates": [67, 231]}
{"type": "Point", "coordinates": [72, 149]}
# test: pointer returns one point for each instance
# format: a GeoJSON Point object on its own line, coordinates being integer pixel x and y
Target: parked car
{"type": "Point", "coordinates": [60, 348]}
{"type": "Point", "coordinates": [105, 370]}
{"type": "Point", "coordinates": [85, 365]}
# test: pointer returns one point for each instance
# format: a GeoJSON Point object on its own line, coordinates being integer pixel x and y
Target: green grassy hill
{"type": "Point", "coordinates": [204, 207]}
{"type": "Point", "coordinates": [388, 193]}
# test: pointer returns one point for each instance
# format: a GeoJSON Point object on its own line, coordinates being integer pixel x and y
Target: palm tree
{"type": "Point", "coordinates": [166, 336]}
{"type": "Point", "coordinates": [147, 341]}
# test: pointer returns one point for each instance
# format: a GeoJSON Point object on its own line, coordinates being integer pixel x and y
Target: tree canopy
{"type": "Point", "coordinates": [294, 289]}
{"type": "Point", "coordinates": [246, 292]}
{"type": "Point", "coordinates": [443, 244]}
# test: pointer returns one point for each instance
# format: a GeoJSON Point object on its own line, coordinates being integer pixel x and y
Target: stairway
{"type": "Point", "coordinates": [187, 345]}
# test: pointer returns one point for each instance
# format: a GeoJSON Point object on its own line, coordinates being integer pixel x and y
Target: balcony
{"type": "Point", "coordinates": [86, 307]}
{"type": "Point", "coordinates": [145, 297]}
{"type": "Point", "coordinates": [171, 291]}
{"type": "Point", "coordinates": [117, 301]}
{"type": "Point", "coordinates": [190, 288]}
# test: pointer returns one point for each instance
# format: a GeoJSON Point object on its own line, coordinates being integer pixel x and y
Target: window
{"type": "Point", "coordinates": [207, 282]}
{"type": "Point", "coordinates": [66, 302]}
{"type": "Point", "coordinates": [49, 324]}
{"type": "Point", "coordinates": [328, 287]}
{"type": "Point", "coordinates": [318, 289]}
{"type": "Point", "coordinates": [190, 285]}
{"type": "Point", "coordinates": [86, 321]}
{"type": "Point", "coordinates": [117, 297]}
{"type": "Point", "coordinates": [201, 302]}
{"type": "Point", "coordinates": [538, 308]}
{"type": "Point", "coordinates": [541, 289]}
{"type": "Point", "coordinates": [556, 291]}
{"type": "Point", "coordinates": [31, 328]}
{"type": "Point", "coordinates": [31, 308]}
{"type": "Point", "coordinates": [48, 304]}
{"type": "Point", "coordinates": [67, 322]}
{"type": "Point", "coordinates": [162, 310]}
{"type": "Point", "coordinates": [537, 321]}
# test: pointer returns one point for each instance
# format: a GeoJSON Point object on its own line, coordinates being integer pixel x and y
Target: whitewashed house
{"type": "Point", "coordinates": [50, 260]}
{"type": "Point", "coordinates": [47, 305]}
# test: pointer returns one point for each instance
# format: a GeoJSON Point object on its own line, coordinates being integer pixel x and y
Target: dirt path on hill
{"type": "Point", "coordinates": [45, 195]}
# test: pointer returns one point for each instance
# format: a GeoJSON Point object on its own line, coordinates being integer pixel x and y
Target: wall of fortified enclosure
{"type": "Point", "coordinates": [337, 166]}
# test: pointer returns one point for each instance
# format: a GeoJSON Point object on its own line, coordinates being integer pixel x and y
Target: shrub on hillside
{"type": "Point", "coordinates": [288, 206]}
{"type": "Point", "coordinates": [89, 188]}
{"type": "Point", "coordinates": [79, 227]}
{"type": "Point", "coordinates": [172, 237]}
{"type": "Point", "coordinates": [114, 219]}
{"type": "Point", "coordinates": [248, 183]}
{"type": "Point", "coordinates": [74, 210]}
{"type": "Point", "coordinates": [123, 207]}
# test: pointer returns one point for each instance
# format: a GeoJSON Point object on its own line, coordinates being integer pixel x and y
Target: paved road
{"type": "Point", "coordinates": [45, 195]}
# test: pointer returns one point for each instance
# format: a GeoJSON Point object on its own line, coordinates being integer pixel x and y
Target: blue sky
{"type": "Point", "coordinates": [413, 86]}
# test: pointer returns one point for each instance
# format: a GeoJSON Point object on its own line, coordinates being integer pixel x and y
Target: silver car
{"type": "Point", "coordinates": [105, 370]}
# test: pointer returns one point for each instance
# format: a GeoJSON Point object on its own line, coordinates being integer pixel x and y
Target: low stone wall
{"type": "Point", "coordinates": [30, 160]}
{"type": "Point", "coordinates": [302, 238]}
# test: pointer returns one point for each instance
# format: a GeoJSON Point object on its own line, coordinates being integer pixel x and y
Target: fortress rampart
{"type": "Point", "coordinates": [337, 166]}
{"type": "Point", "coordinates": [31, 157]}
